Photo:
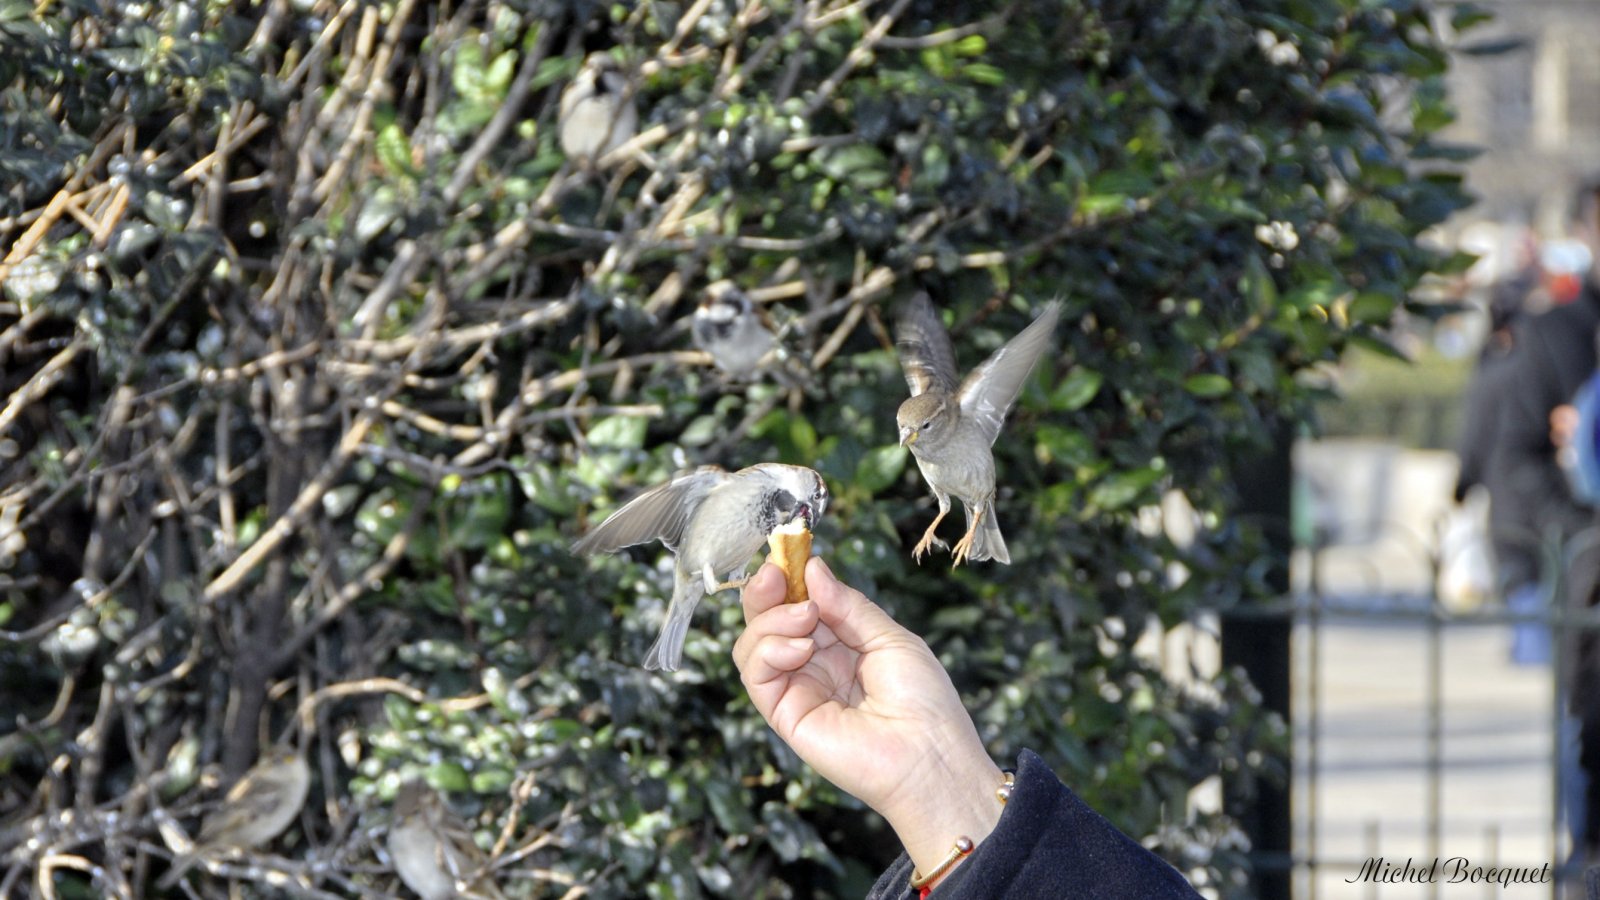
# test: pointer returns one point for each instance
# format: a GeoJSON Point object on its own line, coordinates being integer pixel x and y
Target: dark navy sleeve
{"type": "Point", "coordinates": [1594, 883]}
{"type": "Point", "coordinates": [1048, 845]}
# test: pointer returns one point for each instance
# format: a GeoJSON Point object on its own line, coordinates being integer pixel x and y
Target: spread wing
{"type": "Point", "coordinates": [657, 514]}
{"type": "Point", "coordinates": [924, 347]}
{"type": "Point", "coordinates": [987, 394]}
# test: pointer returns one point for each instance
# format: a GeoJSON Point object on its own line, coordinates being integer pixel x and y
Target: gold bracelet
{"type": "Point", "coordinates": [964, 844]}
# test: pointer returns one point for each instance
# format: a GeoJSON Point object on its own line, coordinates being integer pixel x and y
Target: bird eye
{"type": "Point", "coordinates": [927, 423]}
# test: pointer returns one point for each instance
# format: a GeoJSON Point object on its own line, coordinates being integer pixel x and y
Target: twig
{"type": "Point", "coordinates": [857, 55]}
{"type": "Point", "coordinates": [40, 383]}
{"type": "Point", "coordinates": [510, 110]}
{"type": "Point", "coordinates": [393, 551]}
{"type": "Point", "coordinates": [294, 516]}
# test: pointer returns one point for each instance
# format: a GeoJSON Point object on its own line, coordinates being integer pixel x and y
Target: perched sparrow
{"type": "Point", "coordinates": [951, 428]}
{"type": "Point", "coordinates": [713, 521]}
{"type": "Point", "coordinates": [256, 809]}
{"type": "Point", "coordinates": [596, 116]}
{"type": "Point", "coordinates": [727, 327]}
{"type": "Point", "coordinates": [432, 848]}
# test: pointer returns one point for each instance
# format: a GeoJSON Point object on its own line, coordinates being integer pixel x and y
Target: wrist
{"type": "Point", "coordinates": [950, 795]}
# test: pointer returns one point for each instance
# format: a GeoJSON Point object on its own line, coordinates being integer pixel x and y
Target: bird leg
{"type": "Point", "coordinates": [928, 540]}
{"type": "Point", "coordinates": [964, 546]}
{"type": "Point", "coordinates": [713, 585]}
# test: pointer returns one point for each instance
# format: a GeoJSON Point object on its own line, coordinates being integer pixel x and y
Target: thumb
{"type": "Point", "coordinates": [854, 619]}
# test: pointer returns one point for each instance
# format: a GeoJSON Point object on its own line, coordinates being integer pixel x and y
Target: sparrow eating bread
{"type": "Point", "coordinates": [950, 427]}
{"type": "Point", "coordinates": [713, 521]}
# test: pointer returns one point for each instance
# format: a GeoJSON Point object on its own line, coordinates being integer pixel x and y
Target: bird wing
{"type": "Point", "coordinates": [245, 802]}
{"type": "Point", "coordinates": [924, 347]}
{"type": "Point", "coordinates": [657, 514]}
{"type": "Point", "coordinates": [987, 394]}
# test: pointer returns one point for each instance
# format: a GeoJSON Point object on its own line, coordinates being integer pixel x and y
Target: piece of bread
{"type": "Point", "coordinates": [791, 547]}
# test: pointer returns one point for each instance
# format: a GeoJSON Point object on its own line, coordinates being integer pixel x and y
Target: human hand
{"type": "Point", "coordinates": [865, 703]}
{"type": "Point", "coordinates": [1564, 421]}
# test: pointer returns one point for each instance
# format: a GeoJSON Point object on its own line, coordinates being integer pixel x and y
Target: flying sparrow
{"type": "Point", "coordinates": [256, 809]}
{"type": "Point", "coordinates": [596, 115]}
{"type": "Point", "coordinates": [727, 326]}
{"type": "Point", "coordinates": [713, 521]}
{"type": "Point", "coordinates": [951, 428]}
{"type": "Point", "coordinates": [433, 850]}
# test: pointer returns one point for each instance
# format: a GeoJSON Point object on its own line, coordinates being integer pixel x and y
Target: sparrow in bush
{"type": "Point", "coordinates": [596, 116]}
{"type": "Point", "coordinates": [727, 326]}
{"type": "Point", "coordinates": [950, 428]}
{"type": "Point", "coordinates": [713, 521]}
{"type": "Point", "coordinates": [256, 809]}
{"type": "Point", "coordinates": [433, 850]}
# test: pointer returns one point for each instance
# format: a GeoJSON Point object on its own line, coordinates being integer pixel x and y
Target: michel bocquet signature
{"type": "Point", "coordinates": [1455, 870]}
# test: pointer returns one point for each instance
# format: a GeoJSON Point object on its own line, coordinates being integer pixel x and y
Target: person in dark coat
{"type": "Point", "coordinates": [1512, 542]}
{"type": "Point", "coordinates": [1554, 356]}
{"type": "Point", "coordinates": [868, 706]}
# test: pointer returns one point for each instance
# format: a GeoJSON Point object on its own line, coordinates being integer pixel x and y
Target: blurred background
{"type": "Point", "coordinates": [1430, 719]}
{"type": "Point", "coordinates": [328, 325]}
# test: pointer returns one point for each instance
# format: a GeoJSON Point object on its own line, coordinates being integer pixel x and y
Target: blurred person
{"type": "Point", "coordinates": [1552, 358]}
{"type": "Point", "coordinates": [1485, 397]}
{"type": "Point", "coordinates": [1480, 559]}
{"type": "Point", "coordinates": [868, 706]}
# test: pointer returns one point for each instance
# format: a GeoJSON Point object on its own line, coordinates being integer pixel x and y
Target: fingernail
{"type": "Point", "coordinates": [800, 610]}
{"type": "Point", "coordinates": [800, 643]}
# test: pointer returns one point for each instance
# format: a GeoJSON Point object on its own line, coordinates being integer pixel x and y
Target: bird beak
{"type": "Point", "coordinates": [807, 514]}
{"type": "Point", "coordinates": [907, 436]}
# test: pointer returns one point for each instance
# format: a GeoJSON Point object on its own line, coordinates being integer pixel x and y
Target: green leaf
{"type": "Point", "coordinates": [881, 467]}
{"type": "Point", "coordinates": [448, 776]}
{"type": "Point", "coordinates": [483, 522]}
{"type": "Point", "coordinates": [1469, 15]}
{"type": "Point", "coordinates": [394, 150]}
{"type": "Point", "coordinates": [491, 781]}
{"type": "Point", "coordinates": [619, 432]}
{"type": "Point", "coordinates": [984, 73]}
{"type": "Point", "coordinates": [1077, 389]}
{"type": "Point", "coordinates": [971, 45]}
{"type": "Point", "coordinates": [1209, 385]}
{"type": "Point", "coordinates": [1257, 286]}
{"type": "Point", "coordinates": [1373, 308]}
{"type": "Point", "coordinates": [1104, 204]}
{"type": "Point", "coordinates": [1123, 488]}
{"type": "Point", "coordinates": [1381, 346]}
{"type": "Point", "coordinates": [497, 78]}
{"type": "Point", "coordinates": [730, 806]}
{"type": "Point", "coordinates": [547, 487]}
{"type": "Point", "coordinates": [861, 165]}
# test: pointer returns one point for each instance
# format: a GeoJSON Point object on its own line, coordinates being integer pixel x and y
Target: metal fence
{"type": "Point", "coordinates": [1415, 735]}
{"type": "Point", "coordinates": [1461, 758]}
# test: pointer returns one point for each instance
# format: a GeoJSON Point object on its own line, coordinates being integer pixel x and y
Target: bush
{"type": "Point", "coordinates": [318, 353]}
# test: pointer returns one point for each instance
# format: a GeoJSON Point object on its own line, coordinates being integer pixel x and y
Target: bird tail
{"type": "Point", "coordinates": [667, 652]}
{"type": "Point", "coordinates": [988, 542]}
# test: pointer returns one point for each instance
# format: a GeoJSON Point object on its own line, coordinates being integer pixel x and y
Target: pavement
{"type": "Point", "coordinates": [1364, 690]}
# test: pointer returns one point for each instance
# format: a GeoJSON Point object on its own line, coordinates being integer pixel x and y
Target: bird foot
{"type": "Point", "coordinates": [713, 585]}
{"type": "Point", "coordinates": [963, 549]}
{"type": "Point", "coordinates": [925, 545]}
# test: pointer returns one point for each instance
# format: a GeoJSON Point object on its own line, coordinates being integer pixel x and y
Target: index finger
{"type": "Point", "coordinates": [763, 591]}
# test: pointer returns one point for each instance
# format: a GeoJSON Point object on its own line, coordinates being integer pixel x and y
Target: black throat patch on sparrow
{"type": "Point", "coordinates": [777, 508]}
